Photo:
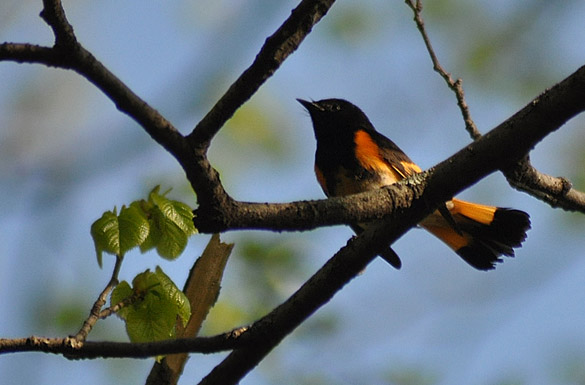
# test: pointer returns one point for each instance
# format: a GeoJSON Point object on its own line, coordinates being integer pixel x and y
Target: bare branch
{"type": "Point", "coordinates": [275, 50]}
{"type": "Point", "coordinates": [54, 15]}
{"type": "Point", "coordinates": [455, 85]}
{"type": "Point", "coordinates": [556, 191]}
{"type": "Point", "coordinates": [95, 313]}
{"type": "Point", "coordinates": [73, 349]}
{"type": "Point", "coordinates": [203, 177]}
{"type": "Point", "coordinates": [28, 53]}
{"type": "Point", "coordinates": [295, 216]}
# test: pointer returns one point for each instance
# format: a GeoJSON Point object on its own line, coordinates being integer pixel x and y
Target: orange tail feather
{"type": "Point", "coordinates": [483, 233]}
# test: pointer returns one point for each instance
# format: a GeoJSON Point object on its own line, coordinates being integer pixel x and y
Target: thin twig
{"type": "Point", "coordinates": [135, 297]}
{"type": "Point", "coordinates": [72, 349]}
{"type": "Point", "coordinates": [95, 313]}
{"type": "Point", "coordinates": [556, 191]}
{"type": "Point", "coordinates": [455, 85]}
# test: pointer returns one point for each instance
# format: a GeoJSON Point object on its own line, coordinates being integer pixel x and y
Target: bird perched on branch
{"type": "Point", "coordinates": [353, 157]}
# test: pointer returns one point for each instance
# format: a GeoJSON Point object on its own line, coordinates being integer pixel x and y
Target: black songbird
{"type": "Point", "coordinates": [352, 157]}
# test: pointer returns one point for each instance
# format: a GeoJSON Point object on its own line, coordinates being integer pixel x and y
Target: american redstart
{"type": "Point", "coordinates": [352, 157]}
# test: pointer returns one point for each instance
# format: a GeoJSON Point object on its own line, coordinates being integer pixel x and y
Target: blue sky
{"type": "Point", "coordinates": [67, 155]}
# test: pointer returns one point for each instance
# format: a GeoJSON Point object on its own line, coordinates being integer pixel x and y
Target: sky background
{"type": "Point", "coordinates": [67, 155]}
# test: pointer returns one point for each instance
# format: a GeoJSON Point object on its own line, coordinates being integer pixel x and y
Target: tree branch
{"type": "Point", "coordinates": [543, 115]}
{"type": "Point", "coordinates": [498, 149]}
{"type": "Point", "coordinates": [72, 349]}
{"type": "Point", "coordinates": [29, 53]}
{"type": "Point", "coordinates": [556, 191]}
{"type": "Point", "coordinates": [276, 49]}
{"type": "Point", "coordinates": [203, 177]}
{"type": "Point", "coordinates": [95, 312]}
{"type": "Point", "coordinates": [54, 15]}
{"type": "Point", "coordinates": [455, 85]}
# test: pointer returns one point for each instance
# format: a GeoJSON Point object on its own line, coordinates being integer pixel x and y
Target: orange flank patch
{"type": "Point", "coordinates": [479, 213]}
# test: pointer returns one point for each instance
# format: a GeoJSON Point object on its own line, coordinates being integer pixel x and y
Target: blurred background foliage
{"type": "Point", "coordinates": [67, 155]}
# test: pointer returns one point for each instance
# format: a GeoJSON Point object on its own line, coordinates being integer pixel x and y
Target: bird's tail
{"type": "Point", "coordinates": [479, 234]}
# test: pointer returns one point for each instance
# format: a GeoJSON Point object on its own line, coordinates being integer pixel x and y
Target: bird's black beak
{"type": "Point", "coordinates": [310, 106]}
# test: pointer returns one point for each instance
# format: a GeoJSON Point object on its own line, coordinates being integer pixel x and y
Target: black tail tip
{"type": "Point", "coordinates": [510, 226]}
{"type": "Point", "coordinates": [506, 232]}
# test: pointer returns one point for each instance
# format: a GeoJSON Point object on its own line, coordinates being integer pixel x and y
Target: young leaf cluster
{"type": "Point", "coordinates": [155, 223]}
{"type": "Point", "coordinates": [160, 305]}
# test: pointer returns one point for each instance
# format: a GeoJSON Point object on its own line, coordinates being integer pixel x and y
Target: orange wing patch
{"type": "Point", "coordinates": [368, 155]}
{"type": "Point", "coordinates": [411, 168]}
{"type": "Point", "coordinates": [367, 152]}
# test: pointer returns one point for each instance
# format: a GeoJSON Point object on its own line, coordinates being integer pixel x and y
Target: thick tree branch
{"type": "Point", "coordinates": [275, 50]}
{"type": "Point", "coordinates": [543, 115]}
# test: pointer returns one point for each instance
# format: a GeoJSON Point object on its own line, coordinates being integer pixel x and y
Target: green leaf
{"type": "Point", "coordinates": [158, 222]}
{"type": "Point", "coordinates": [116, 234]}
{"type": "Point", "coordinates": [174, 295]}
{"type": "Point", "coordinates": [153, 237]}
{"type": "Point", "coordinates": [120, 293]}
{"type": "Point", "coordinates": [174, 211]}
{"type": "Point", "coordinates": [105, 234]}
{"type": "Point", "coordinates": [134, 228]}
{"type": "Point", "coordinates": [154, 317]}
{"type": "Point", "coordinates": [171, 225]}
{"type": "Point", "coordinates": [171, 239]}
